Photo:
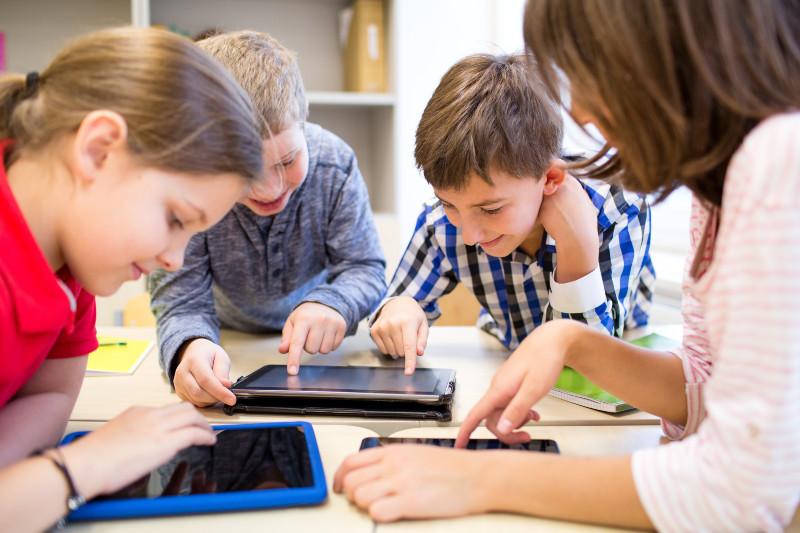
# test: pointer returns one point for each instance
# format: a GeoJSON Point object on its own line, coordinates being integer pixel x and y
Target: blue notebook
{"type": "Point", "coordinates": [252, 466]}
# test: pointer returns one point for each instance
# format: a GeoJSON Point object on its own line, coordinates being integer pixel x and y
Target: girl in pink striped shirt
{"type": "Point", "coordinates": [697, 93]}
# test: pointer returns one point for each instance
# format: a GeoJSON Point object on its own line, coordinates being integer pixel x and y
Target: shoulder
{"type": "Point", "coordinates": [765, 170]}
{"type": "Point", "coordinates": [432, 217]}
{"type": "Point", "coordinates": [613, 203]}
{"type": "Point", "coordinates": [326, 150]}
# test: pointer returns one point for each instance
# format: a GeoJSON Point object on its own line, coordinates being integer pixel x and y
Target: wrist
{"type": "Point", "coordinates": [81, 467]}
{"type": "Point", "coordinates": [566, 335]}
{"type": "Point", "coordinates": [575, 343]}
{"type": "Point", "coordinates": [577, 257]}
{"type": "Point", "coordinates": [489, 488]}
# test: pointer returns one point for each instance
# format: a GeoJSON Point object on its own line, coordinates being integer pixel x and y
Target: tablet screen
{"type": "Point", "coordinates": [534, 445]}
{"type": "Point", "coordinates": [241, 460]}
{"type": "Point", "coordinates": [348, 379]}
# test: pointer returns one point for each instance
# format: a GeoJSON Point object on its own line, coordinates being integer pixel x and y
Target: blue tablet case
{"type": "Point", "coordinates": [215, 503]}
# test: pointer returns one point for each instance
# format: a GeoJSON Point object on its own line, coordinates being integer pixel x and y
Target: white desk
{"type": "Point", "coordinates": [337, 442]}
{"type": "Point", "coordinates": [335, 515]}
{"type": "Point", "coordinates": [473, 354]}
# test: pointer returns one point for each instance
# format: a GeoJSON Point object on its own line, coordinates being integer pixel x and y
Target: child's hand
{"type": "Point", "coordinates": [525, 378]}
{"type": "Point", "coordinates": [202, 375]}
{"type": "Point", "coordinates": [132, 444]}
{"type": "Point", "coordinates": [570, 217]}
{"type": "Point", "coordinates": [313, 327]}
{"type": "Point", "coordinates": [409, 481]}
{"type": "Point", "coordinates": [401, 330]}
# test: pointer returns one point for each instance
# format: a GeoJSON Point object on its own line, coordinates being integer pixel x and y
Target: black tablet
{"type": "Point", "coordinates": [426, 385]}
{"type": "Point", "coordinates": [251, 466]}
{"type": "Point", "coordinates": [534, 445]}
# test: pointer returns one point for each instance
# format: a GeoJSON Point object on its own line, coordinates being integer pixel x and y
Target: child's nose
{"type": "Point", "coordinates": [172, 259]}
{"type": "Point", "coordinates": [470, 232]}
{"type": "Point", "coordinates": [270, 185]}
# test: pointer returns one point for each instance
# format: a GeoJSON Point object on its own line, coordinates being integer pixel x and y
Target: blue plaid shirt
{"type": "Point", "coordinates": [516, 291]}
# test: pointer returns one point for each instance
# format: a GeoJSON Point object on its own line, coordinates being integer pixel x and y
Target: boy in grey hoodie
{"type": "Point", "coordinates": [299, 255]}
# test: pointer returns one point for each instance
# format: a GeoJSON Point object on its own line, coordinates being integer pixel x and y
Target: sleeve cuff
{"type": "Point", "coordinates": [335, 301]}
{"type": "Point", "coordinates": [578, 296]}
{"type": "Point", "coordinates": [695, 411]}
{"type": "Point", "coordinates": [184, 328]}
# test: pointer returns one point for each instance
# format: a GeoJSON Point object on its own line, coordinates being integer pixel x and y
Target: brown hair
{"type": "Point", "coordinates": [487, 114]}
{"type": "Point", "coordinates": [183, 111]}
{"type": "Point", "coordinates": [267, 71]}
{"type": "Point", "coordinates": [675, 84]}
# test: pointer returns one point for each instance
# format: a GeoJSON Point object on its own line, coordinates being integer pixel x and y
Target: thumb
{"type": "Point", "coordinates": [222, 367]}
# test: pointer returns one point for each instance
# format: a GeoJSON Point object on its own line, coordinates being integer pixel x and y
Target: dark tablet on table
{"type": "Point", "coordinates": [252, 466]}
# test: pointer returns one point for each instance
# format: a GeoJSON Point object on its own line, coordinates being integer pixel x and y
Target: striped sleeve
{"type": "Point", "coordinates": [741, 470]}
{"type": "Point", "coordinates": [424, 272]}
{"type": "Point", "coordinates": [624, 277]}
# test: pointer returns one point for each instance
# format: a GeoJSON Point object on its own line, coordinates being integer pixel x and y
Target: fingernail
{"type": "Point", "coordinates": [504, 426]}
{"type": "Point", "coordinates": [293, 369]}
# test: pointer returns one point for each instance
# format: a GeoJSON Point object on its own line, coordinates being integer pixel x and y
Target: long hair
{"type": "Point", "coordinates": [184, 112]}
{"type": "Point", "coordinates": [675, 84]}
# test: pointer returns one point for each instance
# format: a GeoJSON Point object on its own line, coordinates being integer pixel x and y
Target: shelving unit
{"type": "Point", "coordinates": [311, 29]}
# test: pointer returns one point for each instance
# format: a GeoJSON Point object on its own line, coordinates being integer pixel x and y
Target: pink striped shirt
{"type": "Point", "coordinates": [737, 467]}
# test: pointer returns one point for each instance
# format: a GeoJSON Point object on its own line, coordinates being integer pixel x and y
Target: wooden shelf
{"type": "Point", "coordinates": [343, 98]}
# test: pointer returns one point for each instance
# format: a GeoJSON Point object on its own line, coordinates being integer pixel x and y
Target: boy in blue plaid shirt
{"type": "Point", "coordinates": [532, 242]}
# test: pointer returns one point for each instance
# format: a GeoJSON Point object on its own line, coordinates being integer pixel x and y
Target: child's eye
{"type": "Point", "coordinates": [491, 211]}
{"type": "Point", "coordinates": [287, 164]}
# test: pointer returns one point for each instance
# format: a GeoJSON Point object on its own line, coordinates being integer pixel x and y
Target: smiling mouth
{"type": "Point", "coordinates": [137, 271]}
{"type": "Point", "coordinates": [489, 244]}
{"type": "Point", "coordinates": [273, 204]}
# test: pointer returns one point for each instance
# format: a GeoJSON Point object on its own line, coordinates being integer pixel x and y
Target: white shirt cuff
{"type": "Point", "coordinates": [580, 295]}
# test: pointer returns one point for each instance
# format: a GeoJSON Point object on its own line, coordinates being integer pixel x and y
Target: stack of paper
{"type": "Point", "coordinates": [117, 356]}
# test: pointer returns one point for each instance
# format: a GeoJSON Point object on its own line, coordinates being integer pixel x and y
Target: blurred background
{"type": "Point", "coordinates": [369, 67]}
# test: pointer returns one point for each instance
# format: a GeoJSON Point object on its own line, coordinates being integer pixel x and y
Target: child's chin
{"type": "Point", "coordinates": [102, 288]}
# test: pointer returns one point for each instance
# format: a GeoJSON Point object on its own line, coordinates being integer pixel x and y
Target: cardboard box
{"type": "Point", "coordinates": [365, 48]}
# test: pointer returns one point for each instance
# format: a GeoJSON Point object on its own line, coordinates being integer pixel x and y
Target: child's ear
{"type": "Point", "coordinates": [100, 134]}
{"type": "Point", "coordinates": [554, 177]}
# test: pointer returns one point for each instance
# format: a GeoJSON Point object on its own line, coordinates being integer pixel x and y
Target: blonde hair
{"type": "Point", "coordinates": [486, 114]}
{"type": "Point", "coordinates": [267, 71]}
{"type": "Point", "coordinates": [677, 84]}
{"type": "Point", "coordinates": [183, 111]}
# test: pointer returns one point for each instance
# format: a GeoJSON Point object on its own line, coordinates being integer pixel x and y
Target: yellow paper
{"type": "Point", "coordinates": [117, 359]}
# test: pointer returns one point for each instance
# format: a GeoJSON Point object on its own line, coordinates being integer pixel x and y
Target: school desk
{"type": "Point", "coordinates": [474, 355]}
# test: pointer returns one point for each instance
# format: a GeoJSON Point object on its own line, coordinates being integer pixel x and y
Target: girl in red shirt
{"type": "Point", "coordinates": [127, 144]}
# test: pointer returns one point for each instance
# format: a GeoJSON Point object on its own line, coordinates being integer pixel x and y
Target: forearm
{"type": "Point", "coordinates": [577, 255]}
{"type": "Point", "coordinates": [648, 379]}
{"type": "Point", "coordinates": [36, 417]}
{"type": "Point", "coordinates": [34, 495]}
{"type": "Point", "coordinates": [582, 489]}
{"type": "Point", "coordinates": [33, 422]}
{"type": "Point", "coordinates": [174, 331]}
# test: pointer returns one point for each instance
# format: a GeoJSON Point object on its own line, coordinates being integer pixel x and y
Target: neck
{"type": "Point", "coordinates": [34, 184]}
{"type": "Point", "coordinates": [533, 241]}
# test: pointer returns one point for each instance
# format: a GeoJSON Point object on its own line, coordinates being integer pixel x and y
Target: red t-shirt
{"type": "Point", "coordinates": [43, 315]}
